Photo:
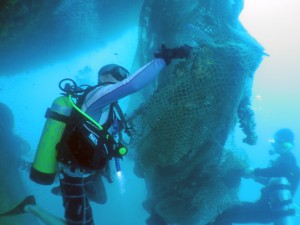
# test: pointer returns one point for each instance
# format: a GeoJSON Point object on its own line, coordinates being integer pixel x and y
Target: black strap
{"type": "Point", "coordinates": [81, 98]}
{"type": "Point", "coordinates": [75, 116]}
{"type": "Point", "coordinates": [105, 83]}
{"type": "Point", "coordinates": [123, 119]}
{"type": "Point", "coordinates": [110, 117]}
{"type": "Point", "coordinates": [56, 116]}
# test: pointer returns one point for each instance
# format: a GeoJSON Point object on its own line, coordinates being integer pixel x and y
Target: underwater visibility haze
{"type": "Point", "coordinates": [203, 117]}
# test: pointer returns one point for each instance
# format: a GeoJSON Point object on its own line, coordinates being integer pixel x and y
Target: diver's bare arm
{"type": "Point", "coordinates": [44, 216]}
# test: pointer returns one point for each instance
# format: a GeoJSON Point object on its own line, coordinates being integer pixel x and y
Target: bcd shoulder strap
{"type": "Point", "coordinates": [122, 118]}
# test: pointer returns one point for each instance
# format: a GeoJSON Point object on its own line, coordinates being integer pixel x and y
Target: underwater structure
{"type": "Point", "coordinates": [68, 26]}
{"type": "Point", "coordinates": [182, 128]}
{"type": "Point", "coordinates": [12, 187]}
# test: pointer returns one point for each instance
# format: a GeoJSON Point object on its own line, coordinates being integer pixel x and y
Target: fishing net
{"type": "Point", "coordinates": [187, 116]}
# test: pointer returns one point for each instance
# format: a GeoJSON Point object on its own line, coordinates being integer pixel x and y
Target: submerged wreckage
{"type": "Point", "coordinates": [182, 127]}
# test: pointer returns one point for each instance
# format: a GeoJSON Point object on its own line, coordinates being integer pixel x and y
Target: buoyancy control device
{"type": "Point", "coordinates": [72, 137]}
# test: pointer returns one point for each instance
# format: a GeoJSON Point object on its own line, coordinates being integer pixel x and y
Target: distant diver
{"type": "Point", "coordinates": [280, 181]}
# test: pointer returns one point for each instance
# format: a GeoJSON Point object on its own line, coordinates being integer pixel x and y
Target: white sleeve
{"type": "Point", "coordinates": [105, 95]}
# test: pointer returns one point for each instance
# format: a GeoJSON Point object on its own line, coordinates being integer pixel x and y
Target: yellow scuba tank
{"type": "Point", "coordinates": [44, 167]}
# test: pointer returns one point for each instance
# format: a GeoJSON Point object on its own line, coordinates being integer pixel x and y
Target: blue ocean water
{"type": "Point", "coordinates": [276, 98]}
{"type": "Point", "coordinates": [276, 93]}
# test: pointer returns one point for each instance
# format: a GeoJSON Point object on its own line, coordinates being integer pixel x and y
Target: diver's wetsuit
{"type": "Point", "coordinates": [284, 166]}
{"type": "Point", "coordinates": [97, 103]}
{"type": "Point", "coordinates": [75, 200]}
{"type": "Point", "coordinates": [261, 211]}
{"type": "Point", "coordinates": [102, 96]}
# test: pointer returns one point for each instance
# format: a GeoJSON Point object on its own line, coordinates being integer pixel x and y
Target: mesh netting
{"type": "Point", "coordinates": [181, 129]}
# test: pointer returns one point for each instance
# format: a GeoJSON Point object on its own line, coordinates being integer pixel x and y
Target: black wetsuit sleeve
{"type": "Point", "coordinates": [283, 166]}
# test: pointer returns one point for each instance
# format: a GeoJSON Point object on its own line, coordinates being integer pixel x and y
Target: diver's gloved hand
{"type": "Point", "coordinates": [173, 53]}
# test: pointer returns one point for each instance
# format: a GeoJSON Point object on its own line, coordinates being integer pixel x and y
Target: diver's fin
{"type": "Point", "coordinates": [95, 189]}
{"type": "Point", "coordinates": [56, 190]}
{"type": "Point", "coordinates": [19, 208]}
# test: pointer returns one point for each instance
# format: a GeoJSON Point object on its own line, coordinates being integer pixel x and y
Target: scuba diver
{"type": "Point", "coordinates": [280, 182]}
{"type": "Point", "coordinates": [83, 136]}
